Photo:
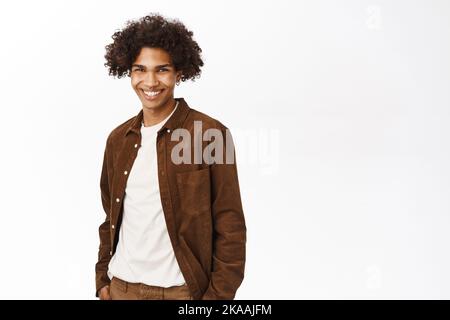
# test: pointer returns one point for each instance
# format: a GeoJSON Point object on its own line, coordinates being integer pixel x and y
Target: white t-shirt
{"type": "Point", "coordinates": [144, 252]}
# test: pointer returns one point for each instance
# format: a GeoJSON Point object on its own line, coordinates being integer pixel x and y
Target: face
{"type": "Point", "coordinates": [153, 78]}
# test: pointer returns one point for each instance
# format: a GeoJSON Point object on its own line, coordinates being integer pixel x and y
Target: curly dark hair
{"type": "Point", "coordinates": [154, 31]}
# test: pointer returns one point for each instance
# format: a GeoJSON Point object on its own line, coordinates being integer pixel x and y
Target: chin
{"type": "Point", "coordinates": [150, 105]}
{"type": "Point", "coordinates": [154, 104]}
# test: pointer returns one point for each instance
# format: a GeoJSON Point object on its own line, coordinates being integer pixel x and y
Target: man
{"type": "Point", "coordinates": [174, 226]}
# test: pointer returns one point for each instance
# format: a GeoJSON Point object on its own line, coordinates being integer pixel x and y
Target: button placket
{"type": "Point", "coordinates": [122, 185]}
{"type": "Point", "coordinates": [128, 165]}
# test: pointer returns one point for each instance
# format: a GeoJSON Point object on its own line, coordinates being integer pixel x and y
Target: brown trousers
{"type": "Point", "coordinates": [123, 290]}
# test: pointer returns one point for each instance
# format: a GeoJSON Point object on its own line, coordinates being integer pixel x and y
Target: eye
{"type": "Point", "coordinates": [163, 69]}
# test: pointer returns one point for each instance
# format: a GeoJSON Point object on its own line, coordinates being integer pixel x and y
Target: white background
{"type": "Point", "coordinates": [340, 111]}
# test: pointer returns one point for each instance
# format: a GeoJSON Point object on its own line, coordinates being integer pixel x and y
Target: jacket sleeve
{"type": "Point", "coordinates": [101, 267]}
{"type": "Point", "coordinates": [229, 234]}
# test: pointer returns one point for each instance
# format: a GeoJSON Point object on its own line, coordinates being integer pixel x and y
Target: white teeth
{"type": "Point", "coordinates": [152, 93]}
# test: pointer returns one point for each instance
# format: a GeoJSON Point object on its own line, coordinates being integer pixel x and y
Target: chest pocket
{"type": "Point", "coordinates": [195, 191]}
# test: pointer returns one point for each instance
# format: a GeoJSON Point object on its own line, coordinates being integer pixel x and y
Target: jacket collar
{"type": "Point", "coordinates": [174, 122]}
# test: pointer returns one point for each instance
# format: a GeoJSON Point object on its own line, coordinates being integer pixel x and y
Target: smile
{"type": "Point", "coordinates": [152, 95]}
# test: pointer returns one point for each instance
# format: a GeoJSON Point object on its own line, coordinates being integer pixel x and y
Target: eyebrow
{"type": "Point", "coordinates": [156, 67]}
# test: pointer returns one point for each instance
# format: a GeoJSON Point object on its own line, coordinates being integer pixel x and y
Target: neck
{"type": "Point", "coordinates": [155, 116]}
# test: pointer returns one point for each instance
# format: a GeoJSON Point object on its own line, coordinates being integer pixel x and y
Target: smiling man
{"type": "Point", "coordinates": [173, 229]}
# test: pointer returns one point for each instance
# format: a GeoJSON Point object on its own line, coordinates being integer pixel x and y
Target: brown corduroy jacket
{"type": "Point", "coordinates": [201, 204]}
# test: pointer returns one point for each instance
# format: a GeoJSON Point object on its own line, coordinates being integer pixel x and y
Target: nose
{"type": "Point", "coordinates": [150, 79]}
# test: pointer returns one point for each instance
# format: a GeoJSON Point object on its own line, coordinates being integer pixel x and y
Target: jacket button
{"type": "Point", "coordinates": [168, 130]}
{"type": "Point", "coordinates": [112, 226]}
{"type": "Point", "coordinates": [125, 172]}
{"type": "Point", "coordinates": [136, 145]}
{"type": "Point", "coordinates": [110, 253]}
{"type": "Point", "coordinates": [117, 200]}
